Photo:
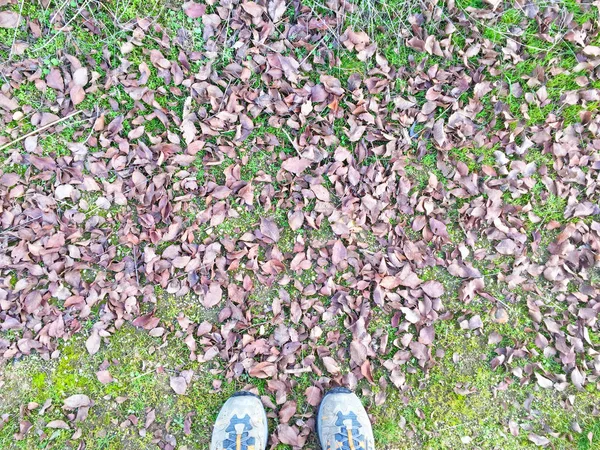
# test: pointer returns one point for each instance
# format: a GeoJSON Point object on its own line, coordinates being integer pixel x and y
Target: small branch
{"type": "Point", "coordinates": [12, 45]}
{"type": "Point", "coordinates": [299, 371]}
{"type": "Point", "coordinates": [317, 45]}
{"type": "Point", "coordinates": [291, 141]}
{"type": "Point", "coordinates": [39, 130]}
{"type": "Point", "coordinates": [137, 276]}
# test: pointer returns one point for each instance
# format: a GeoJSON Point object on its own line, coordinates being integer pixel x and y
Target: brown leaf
{"type": "Point", "coordinates": [194, 10]}
{"type": "Point", "coordinates": [63, 191]}
{"type": "Point", "coordinates": [80, 76]}
{"type": "Point", "coordinates": [358, 352]}
{"type": "Point", "coordinates": [591, 50]}
{"type": "Point", "coordinates": [252, 8]}
{"type": "Point", "coordinates": [321, 192]}
{"type": "Point", "coordinates": [296, 165]}
{"type": "Point", "coordinates": [269, 229]}
{"type": "Point", "coordinates": [9, 19]}
{"type": "Point", "coordinates": [462, 270]}
{"type": "Point", "coordinates": [276, 9]}
{"type": "Point", "coordinates": [213, 296]}
{"type": "Point", "coordinates": [540, 441]}
{"type": "Point", "coordinates": [104, 376]}
{"type": "Point", "coordinates": [77, 401]}
{"type": "Point", "coordinates": [439, 135]}
{"type": "Point", "coordinates": [296, 220]}
{"type": "Point", "coordinates": [178, 384]}
{"type": "Point", "coordinates": [93, 342]}
{"type": "Point", "coordinates": [438, 227]}
{"type": "Point", "coordinates": [263, 370]}
{"type": "Point", "coordinates": [578, 378]}
{"type": "Point", "coordinates": [77, 94]}
{"type": "Point", "coordinates": [433, 289]}
{"type": "Point", "coordinates": [331, 365]}
{"type": "Point", "coordinates": [338, 253]}
{"type": "Point", "coordinates": [313, 395]}
{"type": "Point", "coordinates": [9, 104]}
{"type": "Point", "coordinates": [61, 424]}
{"type": "Point", "coordinates": [55, 80]}
{"type": "Point", "coordinates": [506, 247]}
{"type": "Point", "coordinates": [147, 321]}
{"type": "Point", "coordinates": [287, 412]}
{"type": "Point", "coordinates": [543, 381]}
{"type": "Point", "coordinates": [390, 282]}
{"type": "Point", "coordinates": [288, 435]}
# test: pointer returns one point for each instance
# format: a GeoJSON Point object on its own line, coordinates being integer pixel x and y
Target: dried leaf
{"type": "Point", "coordinates": [264, 369]}
{"type": "Point", "coordinates": [178, 384]}
{"type": "Point", "coordinates": [213, 296]}
{"type": "Point", "coordinates": [61, 424]}
{"type": "Point", "coordinates": [332, 367]}
{"type": "Point", "coordinates": [77, 401]}
{"type": "Point", "coordinates": [194, 10]}
{"type": "Point", "coordinates": [9, 19]}
{"type": "Point", "coordinates": [296, 165]}
{"type": "Point", "coordinates": [269, 229]}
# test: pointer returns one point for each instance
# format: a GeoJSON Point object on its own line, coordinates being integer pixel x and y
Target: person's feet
{"type": "Point", "coordinates": [343, 423]}
{"type": "Point", "coordinates": [241, 424]}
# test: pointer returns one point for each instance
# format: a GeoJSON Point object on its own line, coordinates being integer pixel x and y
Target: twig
{"type": "Point", "coordinates": [255, 325]}
{"type": "Point", "coordinates": [64, 27]}
{"type": "Point", "coordinates": [12, 45]}
{"type": "Point", "coordinates": [137, 276]}
{"type": "Point", "coordinates": [298, 371]}
{"type": "Point", "coordinates": [317, 45]}
{"type": "Point", "coordinates": [22, 224]}
{"type": "Point", "coordinates": [39, 130]}
{"type": "Point", "coordinates": [291, 141]}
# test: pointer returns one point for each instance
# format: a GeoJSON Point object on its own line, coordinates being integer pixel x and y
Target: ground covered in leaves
{"type": "Point", "coordinates": [400, 197]}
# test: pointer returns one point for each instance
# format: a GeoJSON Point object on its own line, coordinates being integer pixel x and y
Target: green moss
{"type": "Point", "coordinates": [259, 162]}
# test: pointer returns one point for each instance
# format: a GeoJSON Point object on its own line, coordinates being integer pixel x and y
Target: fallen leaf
{"type": "Point", "coordinates": [178, 384]}
{"type": "Point", "coordinates": [104, 376]}
{"type": "Point", "coordinates": [9, 19]}
{"type": "Point", "coordinates": [433, 289]}
{"type": "Point", "coordinates": [194, 10]}
{"type": "Point", "coordinates": [61, 424]}
{"type": "Point", "coordinates": [213, 296]}
{"type": "Point", "coordinates": [296, 165]}
{"type": "Point", "coordinates": [269, 229]}
{"type": "Point", "coordinates": [77, 401]}
{"type": "Point", "coordinates": [263, 369]}
{"type": "Point", "coordinates": [331, 365]}
{"type": "Point", "coordinates": [93, 342]}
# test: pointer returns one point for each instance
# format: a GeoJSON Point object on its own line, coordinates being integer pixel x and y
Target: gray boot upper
{"type": "Point", "coordinates": [241, 424]}
{"type": "Point", "coordinates": [343, 423]}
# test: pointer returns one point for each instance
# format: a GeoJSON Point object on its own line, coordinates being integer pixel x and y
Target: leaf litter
{"type": "Point", "coordinates": [87, 235]}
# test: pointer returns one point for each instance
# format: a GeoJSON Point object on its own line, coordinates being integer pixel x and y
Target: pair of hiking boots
{"type": "Point", "coordinates": [342, 423]}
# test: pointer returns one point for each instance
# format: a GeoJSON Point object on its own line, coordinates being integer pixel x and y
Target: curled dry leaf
{"type": "Point", "coordinates": [331, 365]}
{"type": "Point", "coordinates": [263, 369]}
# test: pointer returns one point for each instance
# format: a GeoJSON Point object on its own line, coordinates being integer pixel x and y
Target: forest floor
{"type": "Point", "coordinates": [396, 196]}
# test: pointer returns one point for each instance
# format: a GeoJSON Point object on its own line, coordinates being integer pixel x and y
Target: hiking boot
{"type": "Point", "coordinates": [241, 424]}
{"type": "Point", "coordinates": [343, 423]}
